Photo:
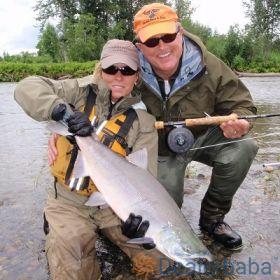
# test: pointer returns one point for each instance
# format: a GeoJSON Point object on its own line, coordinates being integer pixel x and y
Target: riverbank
{"type": "Point", "coordinates": [16, 71]}
{"type": "Point", "coordinates": [252, 75]}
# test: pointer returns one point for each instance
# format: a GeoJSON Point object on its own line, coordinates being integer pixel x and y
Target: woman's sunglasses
{"type": "Point", "coordinates": [167, 38]}
{"type": "Point", "coordinates": [113, 70]}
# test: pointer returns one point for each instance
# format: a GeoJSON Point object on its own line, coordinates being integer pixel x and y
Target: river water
{"type": "Point", "coordinates": [24, 178]}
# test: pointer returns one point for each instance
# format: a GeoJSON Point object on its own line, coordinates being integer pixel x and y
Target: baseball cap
{"type": "Point", "coordinates": [119, 51]}
{"type": "Point", "coordinates": [154, 19]}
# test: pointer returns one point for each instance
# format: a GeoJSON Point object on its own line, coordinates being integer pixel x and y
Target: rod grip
{"type": "Point", "coordinates": [159, 125]}
{"type": "Point", "coordinates": [211, 120]}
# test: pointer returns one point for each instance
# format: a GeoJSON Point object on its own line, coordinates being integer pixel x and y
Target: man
{"type": "Point", "coordinates": [180, 80]}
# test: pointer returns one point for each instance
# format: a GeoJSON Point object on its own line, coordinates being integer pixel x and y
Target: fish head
{"type": "Point", "coordinates": [184, 247]}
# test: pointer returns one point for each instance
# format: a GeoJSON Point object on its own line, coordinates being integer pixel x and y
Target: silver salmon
{"type": "Point", "coordinates": [128, 188]}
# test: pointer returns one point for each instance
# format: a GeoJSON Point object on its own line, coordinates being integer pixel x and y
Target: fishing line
{"type": "Point", "coordinates": [235, 141]}
{"type": "Point", "coordinates": [268, 123]}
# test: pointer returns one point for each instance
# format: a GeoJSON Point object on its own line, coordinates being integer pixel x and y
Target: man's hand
{"type": "Point", "coordinates": [133, 227]}
{"type": "Point", "coordinates": [235, 129]}
{"type": "Point", "coordinates": [79, 124]}
{"type": "Point", "coordinates": [52, 151]}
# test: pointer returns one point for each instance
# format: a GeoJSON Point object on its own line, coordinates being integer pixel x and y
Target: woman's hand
{"type": "Point", "coordinates": [52, 151]}
{"type": "Point", "coordinates": [134, 227]}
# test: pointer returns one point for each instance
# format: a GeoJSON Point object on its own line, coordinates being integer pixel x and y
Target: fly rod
{"type": "Point", "coordinates": [208, 120]}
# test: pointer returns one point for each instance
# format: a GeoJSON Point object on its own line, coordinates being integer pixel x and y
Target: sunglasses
{"type": "Point", "coordinates": [167, 38]}
{"type": "Point", "coordinates": [113, 70]}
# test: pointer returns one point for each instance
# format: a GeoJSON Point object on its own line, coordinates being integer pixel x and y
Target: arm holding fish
{"type": "Point", "coordinates": [38, 96]}
{"type": "Point", "coordinates": [142, 135]}
{"type": "Point", "coordinates": [44, 99]}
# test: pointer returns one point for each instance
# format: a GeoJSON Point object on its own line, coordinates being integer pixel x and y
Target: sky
{"type": "Point", "coordinates": [18, 32]}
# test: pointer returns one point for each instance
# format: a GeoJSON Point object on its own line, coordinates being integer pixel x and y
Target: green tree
{"type": "Point", "coordinates": [247, 47]}
{"type": "Point", "coordinates": [216, 45]}
{"type": "Point", "coordinates": [111, 17]}
{"type": "Point", "coordinates": [80, 39]}
{"type": "Point", "coordinates": [264, 22]}
{"type": "Point", "coordinates": [62, 9]}
{"type": "Point", "coordinates": [101, 10]}
{"type": "Point", "coordinates": [264, 16]}
{"type": "Point", "coordinates": [48, 44]}
{"type": "Point", "coordinates": [123, 14]}
{"type": "Point", "coordinates": [233, 44]}
{"type": "Point", "coordinates": [183, 9]}
{"type": "Point", "coordinates": [202, 31]}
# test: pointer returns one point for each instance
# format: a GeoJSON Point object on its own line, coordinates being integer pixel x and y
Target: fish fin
{"type": "Point", "coordinates": [58, 128]}
{"type": "Point", "coordinates": [140, 240]}
{"type": "Point", "coordinates": [80, 168]}
{"type": "Point", "coordinates": [139, 158]}
{"type": "Point", "coordinates": [96, 199]}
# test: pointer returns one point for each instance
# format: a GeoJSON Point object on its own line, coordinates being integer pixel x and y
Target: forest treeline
{"type": "Point", "coordinates": [72, 45]}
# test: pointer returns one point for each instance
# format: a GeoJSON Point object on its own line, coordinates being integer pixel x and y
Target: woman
{"type": "Point", "coordinates": [123, 125]}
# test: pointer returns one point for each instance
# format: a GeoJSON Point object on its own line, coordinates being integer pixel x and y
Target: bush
{"type": "Point", "coordinates": [14, 72]}
{"type": "Point", "coordinates": [239, 63]}
{"type": "Point", "coordinates": [216, 45]}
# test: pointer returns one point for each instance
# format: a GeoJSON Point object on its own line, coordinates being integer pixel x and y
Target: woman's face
{"type": "Point", "coordinates": [119, 84]}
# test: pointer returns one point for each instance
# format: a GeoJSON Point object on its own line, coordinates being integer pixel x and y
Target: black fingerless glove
{"type": "Point", "coordinates": [133, 227]}
{"type": "Point", "coordinates": [79, 124]}
{"type": "Point", "coordinates": [59, 112]}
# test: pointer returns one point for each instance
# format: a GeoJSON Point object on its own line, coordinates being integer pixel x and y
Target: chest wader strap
{"type": "Point", "coordinates": [55, 188]}
{"type": "Point", "coordinates": [120, 136]}
{"type": "Point", "coordinates": [74, 152]}
{"type": "Point", "coordinates": [123, 132]}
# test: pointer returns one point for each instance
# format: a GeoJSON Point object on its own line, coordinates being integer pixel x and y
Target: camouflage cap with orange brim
{"type": "Point", "coordinates": [154, 19]}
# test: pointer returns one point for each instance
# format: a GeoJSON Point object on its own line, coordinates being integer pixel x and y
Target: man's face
{"type": "Point", "coordinates": [164, 57]}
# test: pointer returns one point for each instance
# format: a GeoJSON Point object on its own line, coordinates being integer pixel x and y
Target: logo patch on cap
{"type": "Point", "coordinates": [153, 19]}
{"type": "Point", "coordinates": [151, 14]}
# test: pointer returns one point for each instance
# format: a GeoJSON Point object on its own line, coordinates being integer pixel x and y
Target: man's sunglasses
{"type": "Point", "coordinates": [167, 38]}
{"type": "Point", "coordinates": [113, 70]}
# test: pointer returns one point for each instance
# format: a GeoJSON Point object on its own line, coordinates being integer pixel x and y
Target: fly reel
{"type": "Point", "coordinates": [180, 139]}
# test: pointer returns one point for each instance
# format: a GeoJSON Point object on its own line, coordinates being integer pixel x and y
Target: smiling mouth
{"type": "Point", "coordinates": [164, 55]}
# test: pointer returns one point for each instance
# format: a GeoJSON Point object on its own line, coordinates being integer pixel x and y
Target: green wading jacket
{"type": "Point", "coordinates": [204, 84]}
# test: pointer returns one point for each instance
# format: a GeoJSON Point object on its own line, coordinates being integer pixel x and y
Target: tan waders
{"type": "Point", "coordinates": [70, 245]}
